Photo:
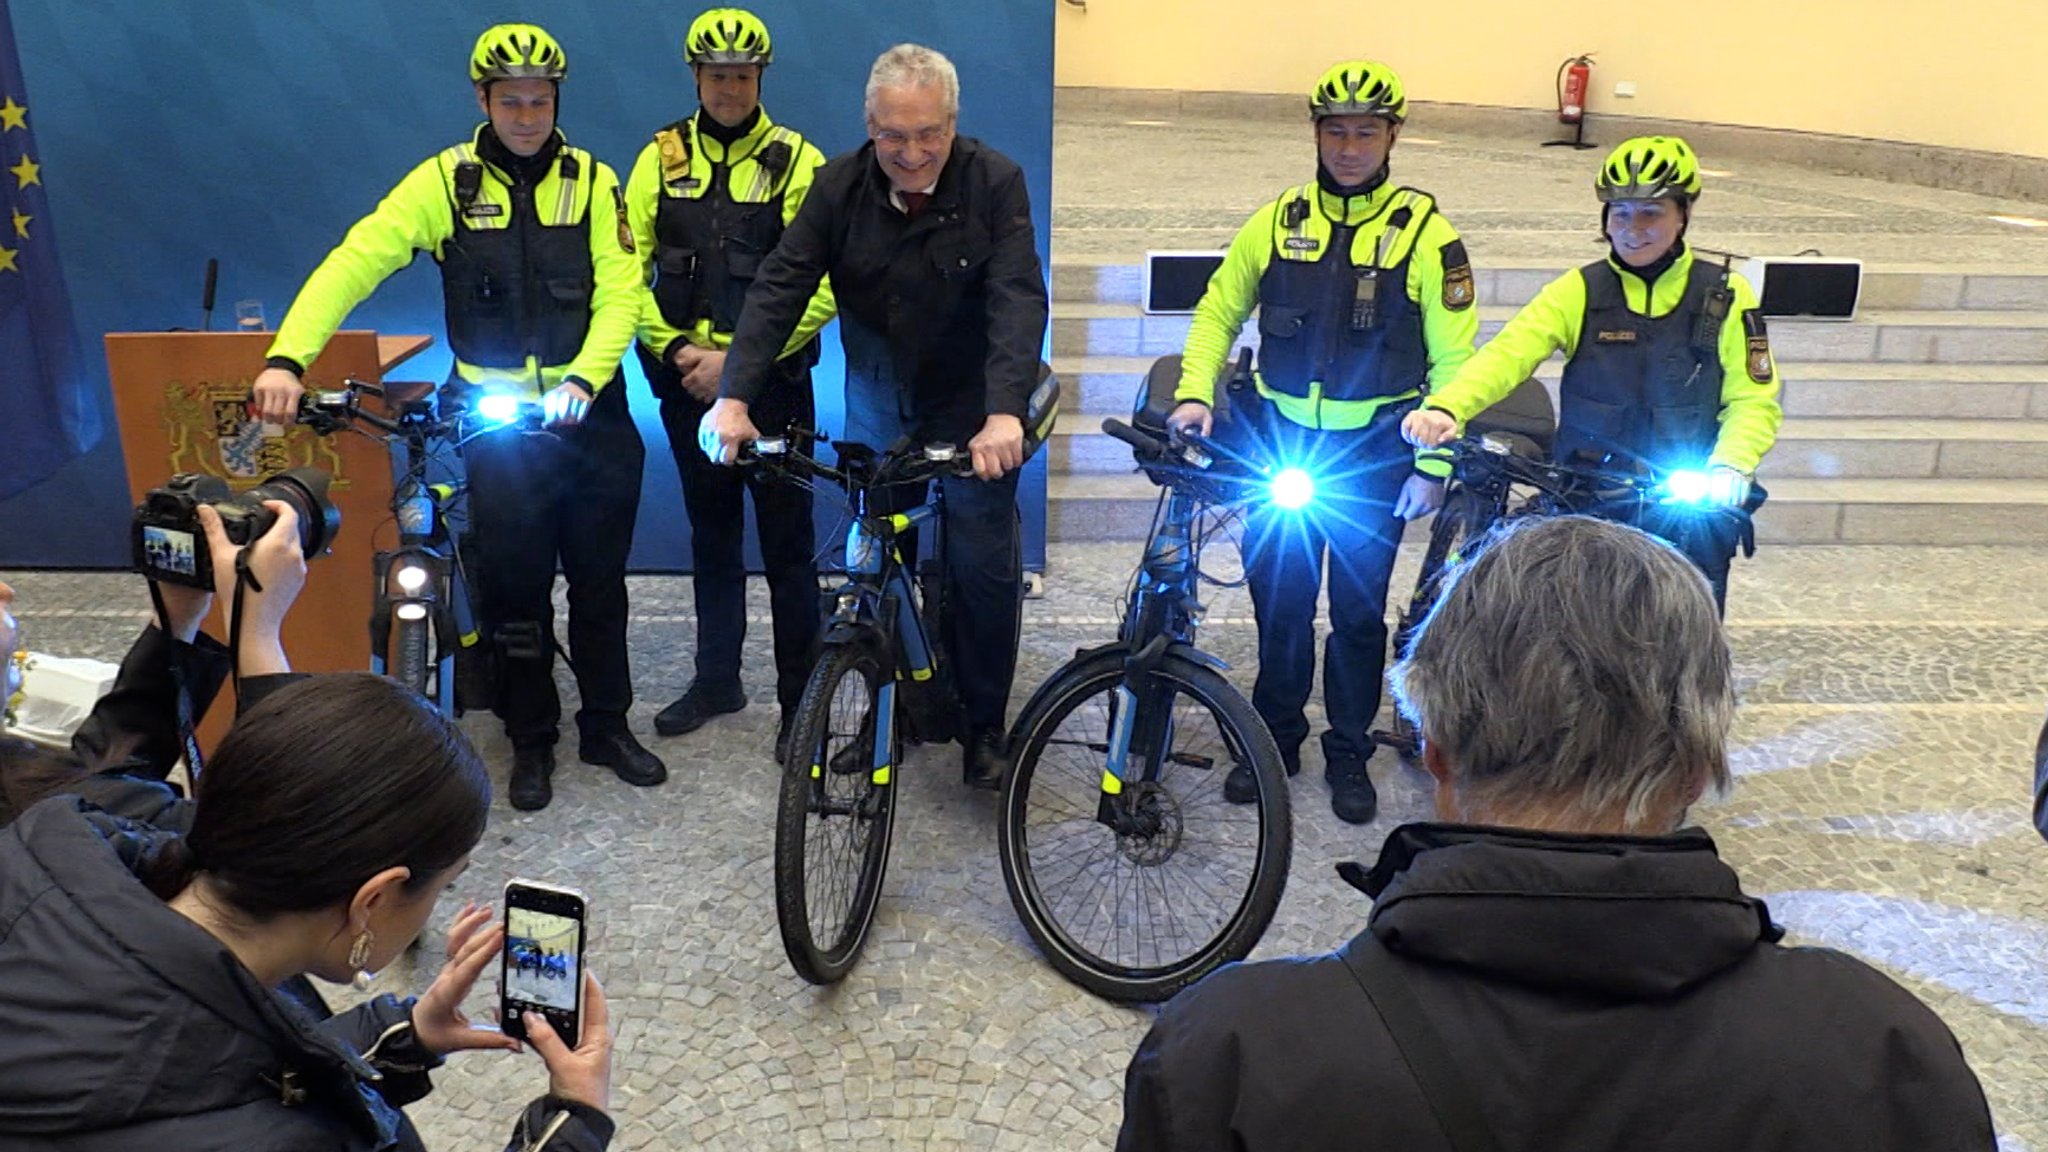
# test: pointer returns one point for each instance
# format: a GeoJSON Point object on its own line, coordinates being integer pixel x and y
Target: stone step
{"type": "Point", "coordinates": [1806, 449]}
{"type": "Point", "coordinates": [1864, 389]}
{"type": "Point", "coordinates": [1885, 336]}
{"type": "Point", "coordinates": [1924, 512]}
{"type": "Point", "coordinates": [1909, 449]}
{"type": "Point", "coordinates": [1093, 280]}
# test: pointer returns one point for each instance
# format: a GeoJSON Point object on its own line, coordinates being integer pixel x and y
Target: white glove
{"type": "Point", "coordinates": [1727, 487]}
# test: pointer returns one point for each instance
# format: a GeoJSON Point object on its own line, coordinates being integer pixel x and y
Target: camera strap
{"type": "Point", "coordinates": [244, 578]}
{"type": "Point", "coordinates": [188, 733]}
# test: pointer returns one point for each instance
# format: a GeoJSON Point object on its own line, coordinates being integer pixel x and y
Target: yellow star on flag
{"type": "Point", "coordinates": [25, 172]}
{"type": "Point", "coordinates": [13, 115]}
{"type": "Point", "coordinates": [21, 224]}
{"type": "Point", "coordinates": [7, 260]}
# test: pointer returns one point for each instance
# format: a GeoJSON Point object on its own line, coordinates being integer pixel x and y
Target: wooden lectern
{"type": "Point", "coordinates": [180, 401]}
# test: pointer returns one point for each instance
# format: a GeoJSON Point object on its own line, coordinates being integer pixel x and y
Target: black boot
{"type": "Point", "coordinates": [1352, 796]}
{"type": "Point", "coordinates": [530, 789]}
{"type": "Point", "coordinates": [983, 761]}
{"type": "Point", "coordinates": [1241, 786]}
{"type": "Point", "coordinates": [697, 704]}
{"type": "Point", "coordinates": [622, 754]}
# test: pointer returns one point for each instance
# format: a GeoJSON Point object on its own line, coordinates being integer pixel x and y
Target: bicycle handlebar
{"type": "Point", "coordinates": [903, 463]}
{"type": "Point", "coordinates": [329, 412]}
{"type": "Point", "coordinates": [1490, 456]}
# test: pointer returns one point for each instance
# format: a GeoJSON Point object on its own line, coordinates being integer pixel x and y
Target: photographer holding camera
{"type": "Point", "coordinates": [123, 753]}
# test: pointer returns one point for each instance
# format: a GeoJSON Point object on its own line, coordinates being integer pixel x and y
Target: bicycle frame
{"type": "Point", "coordinates": [1163, 612]}
{"type": "Point", "coordinates": [878, 598]}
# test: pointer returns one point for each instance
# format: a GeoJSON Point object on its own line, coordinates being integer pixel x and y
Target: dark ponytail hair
{"type": "Point", "coordinates": [168, 866]}
{"type": "Point", "coordinates": [29, 772]}
{"type": "Point", "coordinates": [321, 786]}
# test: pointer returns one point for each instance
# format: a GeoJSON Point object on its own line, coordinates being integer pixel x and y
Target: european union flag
{"type": "Point", "coordinates": [48, 414]}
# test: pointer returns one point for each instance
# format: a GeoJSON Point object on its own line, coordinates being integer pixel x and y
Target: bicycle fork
{"type": "Point", "coordinates": [1140, 732]}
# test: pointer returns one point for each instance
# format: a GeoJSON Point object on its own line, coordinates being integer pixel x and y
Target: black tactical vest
{"type": "Point", "coordinates": [523, 289]}
{"type": "Point", "coordinates": [707, 247]}
{"type": "Point", "coordinates": [1643, 388]}
{"type": "Point", "coordinates": [1349, 325]}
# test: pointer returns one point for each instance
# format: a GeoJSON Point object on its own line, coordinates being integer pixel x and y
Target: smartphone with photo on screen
{"type": "Point", "coordinates": [541, 969]}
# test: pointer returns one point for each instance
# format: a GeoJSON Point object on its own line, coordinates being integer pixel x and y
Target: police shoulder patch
{"type": "Point", "coordinates": [1459, 292]}
{"type": "Point", "coordinates": [625, 229]}
{"type": "Point", "coordinates": [1759, 346]}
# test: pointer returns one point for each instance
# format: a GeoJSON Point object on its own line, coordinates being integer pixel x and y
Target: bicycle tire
{"type": "Point", "coordinates": [1038, 896]}
{"type": "Point", "coordinates": [813, 793]}
{"type": "Point", "coordinates": [410, 641]}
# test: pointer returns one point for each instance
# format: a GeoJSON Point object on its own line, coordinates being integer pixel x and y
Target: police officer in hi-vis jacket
{"type": "Point", "coordinates": [542, 296]}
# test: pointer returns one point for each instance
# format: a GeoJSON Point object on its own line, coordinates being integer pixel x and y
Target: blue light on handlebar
{"type": "Point", "coordinates": [1292, 489]}
{"type": "Point", "coordinates": [1688, 488]}
{"type": "Point", "coordinates": [498, 408]}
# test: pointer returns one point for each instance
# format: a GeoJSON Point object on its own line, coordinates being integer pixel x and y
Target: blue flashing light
{"type": "Point", "coordinates": [1292, 489]}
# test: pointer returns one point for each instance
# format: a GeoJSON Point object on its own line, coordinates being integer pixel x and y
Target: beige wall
{"type": "Point", "coordinates": [1961, 73]}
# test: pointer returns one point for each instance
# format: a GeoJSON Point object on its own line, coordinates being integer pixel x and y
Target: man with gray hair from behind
{"type": "Point", "coordinates": [1558, 962]}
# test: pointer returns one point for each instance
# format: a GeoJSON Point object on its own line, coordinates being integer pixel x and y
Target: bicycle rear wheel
{"type": "Point", "coordinates": [1181, 881]}
{"type": "Point", "coordinates": [835, 816]}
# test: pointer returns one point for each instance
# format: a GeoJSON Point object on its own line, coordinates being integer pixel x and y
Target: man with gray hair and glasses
{"type": "Point", "coordinates": [928, 239]}
{"type": "Point", "coordinates": [1558, 963]}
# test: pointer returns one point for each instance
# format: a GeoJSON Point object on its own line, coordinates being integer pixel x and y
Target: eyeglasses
{"type": "Point", "coordinates": [929, 137]}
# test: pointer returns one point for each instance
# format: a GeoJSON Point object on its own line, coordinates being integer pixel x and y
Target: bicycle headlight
{"type": "Point", "coordinates": [1688, 487]}
{"type": "Point", "coordinates": [412, 610]}
{"type": "Point", "coordinates": [1292, 489]}
{"type": "Point", "coordinates": [412, 578]}
{"type": "Point", "coordinates": [498, 407]}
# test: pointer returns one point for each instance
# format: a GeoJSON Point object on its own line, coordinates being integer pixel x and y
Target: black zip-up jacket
{"type": "Point", "coordinates": [1595, 994]}
{"type": "Point", "coordinates": [947, 310]}
{"type": "Point", "coordinates": [127, 1028]}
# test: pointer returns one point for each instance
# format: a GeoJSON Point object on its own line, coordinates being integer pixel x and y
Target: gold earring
{"type": "Point", "coordinates": [359, 956]}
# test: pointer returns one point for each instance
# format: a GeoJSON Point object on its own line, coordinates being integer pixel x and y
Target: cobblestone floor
{"type": "Point", "coordinates": [1891, 702]}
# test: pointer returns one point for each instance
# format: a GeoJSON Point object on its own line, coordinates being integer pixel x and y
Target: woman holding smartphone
{"type": "Point", "coordinates": [142, 965]}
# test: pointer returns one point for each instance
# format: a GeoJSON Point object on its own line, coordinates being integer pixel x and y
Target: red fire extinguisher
{"type": "Point", "coordinates": [1574, 78]}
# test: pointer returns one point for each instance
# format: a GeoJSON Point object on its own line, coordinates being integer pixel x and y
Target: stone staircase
{"type": "Point", "coordinates": [1923, 421]}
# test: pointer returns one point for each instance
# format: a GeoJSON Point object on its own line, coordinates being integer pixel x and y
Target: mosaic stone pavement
{"type": "Point", "coordinates": [1891, 699]}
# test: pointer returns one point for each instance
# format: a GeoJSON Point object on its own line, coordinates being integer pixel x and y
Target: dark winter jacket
{"type": "Point", "coordinates": [946, 312]}
{"type": "Point", "coordinates": [124, 1026]}
{"type": "Point", "coordinates": [1595, 994]}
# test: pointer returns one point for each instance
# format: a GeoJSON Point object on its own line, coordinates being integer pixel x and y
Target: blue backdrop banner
{"type": "Point", "coordinates": [257, 131]}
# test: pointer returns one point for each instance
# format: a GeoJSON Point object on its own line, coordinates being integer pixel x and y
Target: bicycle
{"type": "Point", "coordinates": [1500, 472]}
{"type": "Point", "coordinates": [836, 810]}
{"type": "Point", "coordinates": [1116, 806]}
{"type": "Point", "coordinates": [424, 610]}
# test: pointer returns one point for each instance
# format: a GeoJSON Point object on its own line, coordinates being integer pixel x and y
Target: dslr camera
{"type": "Point", "coordinates": [171, 546]}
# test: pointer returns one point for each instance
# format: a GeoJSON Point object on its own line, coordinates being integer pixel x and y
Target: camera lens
{"type": "Point", "coordinates": [305, 489]}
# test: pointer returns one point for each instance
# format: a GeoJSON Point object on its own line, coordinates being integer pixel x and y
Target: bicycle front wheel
{"type": "Point", "coordinates": [835, 816]}
{"type": "Point", "coordinates": [1137, 893]}
{"type": "Point", "coordinates": [411, 640]}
